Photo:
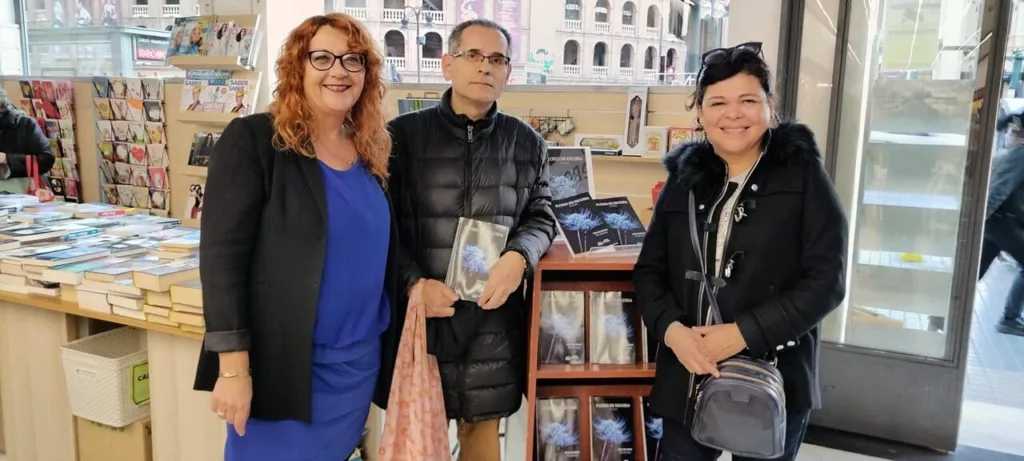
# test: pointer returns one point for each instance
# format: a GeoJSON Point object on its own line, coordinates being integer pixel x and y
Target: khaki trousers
{"type": "Point", "coordinates": [479, 441]}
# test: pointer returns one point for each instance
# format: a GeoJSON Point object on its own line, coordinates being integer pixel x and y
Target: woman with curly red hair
{"type": "Point", "coordinates": [298, 255]}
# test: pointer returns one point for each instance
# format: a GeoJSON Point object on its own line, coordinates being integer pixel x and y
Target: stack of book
{"type": "Point", "coordinates": [104, 258]}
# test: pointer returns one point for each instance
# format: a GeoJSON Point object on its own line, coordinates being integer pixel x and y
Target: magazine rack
{"type": "Point", "coordinates": [558, 270]}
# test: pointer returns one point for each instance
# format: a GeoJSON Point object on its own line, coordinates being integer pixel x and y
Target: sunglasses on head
{"type": "Point", "coordinates": [719, 54]}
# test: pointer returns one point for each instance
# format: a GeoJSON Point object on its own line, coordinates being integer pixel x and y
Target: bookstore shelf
{"type": "Point", "coordinates": [627, 159]}
{"type": "Point", "coordinates": [206, 118]}
{"type": "Point", "coordinates": [190, 170]}
{"type": "Point", "coordinates": [67, 307]}
{"type": "Point", "coordinates": [595, 370]}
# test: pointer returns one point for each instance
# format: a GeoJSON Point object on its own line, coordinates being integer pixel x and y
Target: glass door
{"type": "Point", "coordinates": [911, 168]}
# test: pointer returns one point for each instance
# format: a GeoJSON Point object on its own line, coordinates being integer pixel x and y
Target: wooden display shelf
{"type": "Point", "coordinates": [558, 270]}
{"type": "Point", "coordinates": [206, 118]}
{"type": "Point", "coordinates": [583, 395]}
{"type": "Point", "coordinates": [232, 63]}
{"type": "Point", "coordinates": [58, 305]}
{"type": "Point", "coordinates": [596, 371]}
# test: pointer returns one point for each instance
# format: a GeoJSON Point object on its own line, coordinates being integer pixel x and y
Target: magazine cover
{"type": "Point", "coordinates": [562, 327]}
{"type": "Point", "coordinates": [619, 215]}
{"type": "Point", "coordinates": [652, 431]}
{"type": "Point", "coordinates": [558, 431]}
{"type": "Point", "coordinates": [570, 172]}
{"type": "Point", "coordinates": [611, 429]}
{"type": "Point", "coordinates": [580, 223]}
{"type": "Point", "coordinates": [613, 326]}
{"type": "Point", "coordinates": [478, 245]}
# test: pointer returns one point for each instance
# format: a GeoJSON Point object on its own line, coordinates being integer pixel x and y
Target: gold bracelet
{"type": "Point", "coordinates": [241, 374]}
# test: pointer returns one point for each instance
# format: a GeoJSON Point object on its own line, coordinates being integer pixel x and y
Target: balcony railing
{"type": "Point", "coordinates": [650, 75]}
{"type": "Point", "coordinates": [602, 27]}
{"type": "Point", "coordinates": [599, 71]}
{"type": "Point", "coordinates": [573, 25]}
{"type": "Point", "coordinates": [171, 11]}
{"type": "Point", "coordinates": [652, 32]}
{"type": "Point", "coordinates": [570, 70]}
{"type": "Point", "coordinates": [358, 13]}
{"type": "Point", "coordinates": [392, 14]}
{"type": "Point", "coordinates": [140, 11]}
{"type": "Point", "coordinates": [437, 17]}
{"type": "Point", "coordinates": [399, 63]}
{"type": "Point", "coordinates": [629, 30]}
{"type": "Point", "coordinates": [431, 64]}
{"type": "Point", "coordinates": [626, 73]}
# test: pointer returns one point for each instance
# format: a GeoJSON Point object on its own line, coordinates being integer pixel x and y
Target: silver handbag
{"type": "Point", "coordinates": [743, 411]}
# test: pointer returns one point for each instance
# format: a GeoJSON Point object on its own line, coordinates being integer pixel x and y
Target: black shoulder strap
{"type": "Point", "coordinates": [716, 314]}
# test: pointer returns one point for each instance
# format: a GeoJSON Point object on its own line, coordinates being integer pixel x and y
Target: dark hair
{"type": "Point", "coordinates": [732, 63]}
{"type": "Point", "coordinates": [455, 37]}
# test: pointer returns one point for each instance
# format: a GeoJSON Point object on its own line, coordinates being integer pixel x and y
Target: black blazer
{"type": "Point", "coordinates": [262, 255]}
{"type": "Point", "coordinates": [786, 254]}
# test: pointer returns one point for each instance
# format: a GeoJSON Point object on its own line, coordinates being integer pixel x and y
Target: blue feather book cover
{"type": "Point", "coordinates": [652, 431]}
{"type": "Point", "coordinates": [558, 429]}
{"type": "Point", "coordinates": [562, 318]}
{"type": "Point", "coordinates": [613, 328]}
{"type": "Point", "coordinates": [612, 435]}
{"type": "Point", "coordinates": [619, 215]}
{"type": "Point", "coordinates": [478, 245]}
{"type": "Point", "coordinates": [580, 222]}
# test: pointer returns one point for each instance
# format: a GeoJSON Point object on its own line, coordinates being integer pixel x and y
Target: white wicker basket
{"type": "Point", "coordinates": [98, 371]}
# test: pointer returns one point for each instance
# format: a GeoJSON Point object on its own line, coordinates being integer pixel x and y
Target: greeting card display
{"type": "Point", "coordinates": [132, 144]}
{"type": "Point", "coordinates": [52, 105]}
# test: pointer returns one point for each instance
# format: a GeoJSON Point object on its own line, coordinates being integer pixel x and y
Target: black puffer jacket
{"type": "Point", "coordinates": [445, 166]}
{"type": "Point", "coordinates": [20, 136]}
{"type": "Point", "coordinates": [786, 254]}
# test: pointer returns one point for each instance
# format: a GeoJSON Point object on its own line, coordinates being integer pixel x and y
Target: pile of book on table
{"type": "Point", "coordinates": [105, 258]}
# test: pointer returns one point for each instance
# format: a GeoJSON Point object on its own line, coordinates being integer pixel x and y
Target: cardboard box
{"type": "Point", "coordinates": [97, 442]}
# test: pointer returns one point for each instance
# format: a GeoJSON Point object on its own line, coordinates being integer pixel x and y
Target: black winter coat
{"type": "Point", "coordinates": [446, 166]}
{"type": "Point", "coordinates": [1006, 188]}
{"type": "Point", "coordinates": [263, 245]}
{"type": "Point", "coordinates": [21, 136]}
{"type": "Point", "coordinates": [788, 256]}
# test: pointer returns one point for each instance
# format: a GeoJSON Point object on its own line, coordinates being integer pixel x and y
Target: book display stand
{"type": "Point", "coordinates": [580, 380]}
{"type": "Point", "coordinates": [216, 51]}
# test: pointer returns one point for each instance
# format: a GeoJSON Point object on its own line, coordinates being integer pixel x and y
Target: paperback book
{"type": "Point", "coordinates": [478, 245]}
{"type": "Point", "coordinates": [611, 423]}
{"type": "Point", "coordinates": [562, 319]}
{"type": "Point", "coordinates": [621, 218]}
{"type": "Point", "coordinates": [652, 431]}
{"type": "Point", "coordinates": [579, 221]}
{"type": "Point", "coordinates": [613, 323]}
{"type": "Point", "coordinates": [569, 171]}
{"type": "Point", "coordinates": [558, 421]}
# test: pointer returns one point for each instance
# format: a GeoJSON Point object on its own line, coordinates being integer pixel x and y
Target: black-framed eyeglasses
{"type": "Point", "coordinates": [324, 60]}
{"type": "Point", "coordinates": [478, 57]}
{"type": "Point", "coordinates": [719, 54]}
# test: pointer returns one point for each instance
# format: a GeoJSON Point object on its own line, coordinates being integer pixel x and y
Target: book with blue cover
{"type": "Point", "coordinates": [478, 245]}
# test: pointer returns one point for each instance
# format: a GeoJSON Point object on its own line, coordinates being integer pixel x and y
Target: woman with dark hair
{"type": "Point", "coordinates": [20, 138]}
{"type": "Point", "coordinates": [774, 237]}
{"type": "Point", "coordinates": [299, 250]}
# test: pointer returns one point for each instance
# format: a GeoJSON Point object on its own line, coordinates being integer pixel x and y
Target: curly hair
{"type": "Point", "coordinates": [293, 119]}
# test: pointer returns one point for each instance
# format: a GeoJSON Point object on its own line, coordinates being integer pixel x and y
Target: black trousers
{"type": "Point", "coordinates": [1004, 233]}
{"type": "Point", "coordinates": [678, 445]}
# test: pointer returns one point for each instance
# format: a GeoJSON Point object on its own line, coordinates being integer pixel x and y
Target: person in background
{"type": "Point", "coordinates": [464, 158]}
{"type": "Point", "coordinates": [20, 137]}
{"type": "Point", "coordinates": [299, 255]}
{"type": "Point", "coordinates": [775, 236]}
{"type": "Point", "coordinates": [1004, 219]}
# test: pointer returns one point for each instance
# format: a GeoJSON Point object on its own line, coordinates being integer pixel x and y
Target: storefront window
{"type": "Point", "coordinates": [901, 152]}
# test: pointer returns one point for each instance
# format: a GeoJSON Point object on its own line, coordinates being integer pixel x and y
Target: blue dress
{"type": "Point", "coordinates": [352, 312]}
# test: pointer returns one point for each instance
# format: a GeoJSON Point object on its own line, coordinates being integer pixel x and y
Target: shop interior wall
{"type": "Point", "coordinates": [593, 109]}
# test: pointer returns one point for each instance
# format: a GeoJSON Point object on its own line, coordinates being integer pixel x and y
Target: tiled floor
{"type": "Point", "coordinates": [995, 364]}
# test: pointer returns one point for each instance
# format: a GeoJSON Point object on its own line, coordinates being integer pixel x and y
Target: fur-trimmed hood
{"type": "Point", "coordinates": [787, 144]}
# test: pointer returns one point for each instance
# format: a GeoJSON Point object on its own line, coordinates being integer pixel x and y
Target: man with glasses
{"type": "Point", "coordinates": [464, 158]}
